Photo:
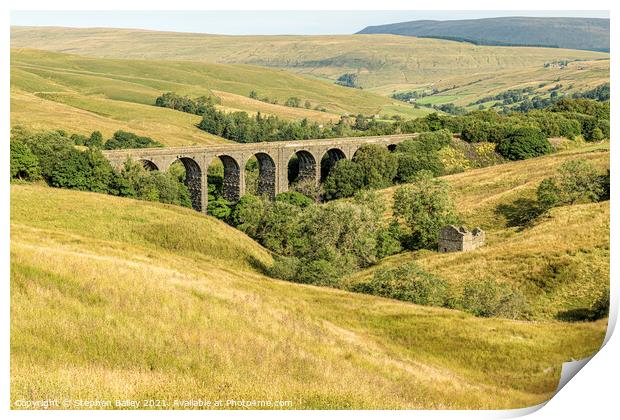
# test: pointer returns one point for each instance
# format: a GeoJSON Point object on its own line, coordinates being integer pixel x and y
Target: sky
{"type": "Point", "coordinates": [260, 22]}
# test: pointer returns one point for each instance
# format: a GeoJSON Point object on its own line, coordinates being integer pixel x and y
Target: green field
{"type": "Point", "coordinates": [116, 298]}
{"type": "Point", "coordinates": [383, 63]}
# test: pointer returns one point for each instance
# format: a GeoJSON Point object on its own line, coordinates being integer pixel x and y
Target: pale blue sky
{"type": "Point", "coordinates": [259, 22]}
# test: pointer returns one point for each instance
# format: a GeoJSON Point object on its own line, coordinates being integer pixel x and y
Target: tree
{"type": "Point", "coordinates": [248, 214]}
{"type": "Point", "coordinates": [24, 163]}
{"type": "Point", "coordinates": [377, 165]}
{"type": "Point", "coordinates": [295, 198]}
{"type": "Point", "coordinates": [95, 140]}
{"type": "Point", "coordinates": [425, 207]}
{"type": "Point", "coordinates": [421, 154]}
{"type": "Point", "coordinates": [548, 194]}
{"type": "Point", "coordinates": [126, 140]}
{"type": "Point", "coordinates": [344, 180]}
{"type": "Point", "coordinates": [579, 181]}
{"type": "Point", "coordinates": [524, 143]}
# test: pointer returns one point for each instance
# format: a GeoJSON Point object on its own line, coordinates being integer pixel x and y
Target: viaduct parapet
{"type": "Point", "coordinates": [273, 161]}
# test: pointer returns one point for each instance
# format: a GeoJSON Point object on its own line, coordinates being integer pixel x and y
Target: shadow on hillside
{"type": "Point", "coordinates": [520, 213]}
{"type": "Point", "coordinates": [576, 315]}
{"type": "Point", "coordinates": [258, 265]}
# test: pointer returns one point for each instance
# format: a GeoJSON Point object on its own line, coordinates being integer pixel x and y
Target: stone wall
{"type": "Point", "coordinates": [457, 239]}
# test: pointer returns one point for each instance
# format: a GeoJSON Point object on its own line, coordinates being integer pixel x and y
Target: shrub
{"type": "Point", "coordinates": [407, 282]}
{"type": "Point", "coordinates": [415, 156]}
{"type": "Point", "coordinates": [285, 268]}
{"type": "Point", "coordinates": [600, 307]}
{"type": "Point", "coordinates": [295, 198]}
{"type": "Point", "coordinates": [344, 180]}
{"type": "Point", "coordinates": [24, 163]}
{"type": "Point", "coordinates": [377, 165]}
{"type": "Point", "coordinates": [524, 143]}
{"type": "Point", "coordinates": [95, 140]}
{"type": "Point", "coordinates": [82, 170]}
{"type": "Point", "coordinates": [248, 214]}
{"type": "Point", "coordinates": [126, 140]}
{"type": "Point", "coordinates": [487, 298]}
{"type": "Point", "coordinates": [425, 207]}
{"type": "Point", "coordinates": [548, 194]}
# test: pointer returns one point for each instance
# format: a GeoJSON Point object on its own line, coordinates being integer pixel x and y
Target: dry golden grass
{"type": "Point", "coordinates": [83, 115]}
{"type": "Point", "coordinates": [379, 60]}
{"type": "Point", "coordinates": [115, 298]}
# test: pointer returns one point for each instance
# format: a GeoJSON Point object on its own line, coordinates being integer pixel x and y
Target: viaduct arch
{"type": "Point", "coordinates": [315, 158]}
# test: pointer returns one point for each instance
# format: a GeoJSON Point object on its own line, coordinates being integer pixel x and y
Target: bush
{"type": "Point", "coordinates": [487, 298]}
{"type": "Point", "coordinates": [577, 182]}
{"type": "Point", "coordinates": [24, 163]}
{"type": "Point", "coordinates": [295, 198]}
{"type": "Point", "coordinates": [407, 282]}
{"type": "Point", "coordinates": [420, 155]}
{"type": "Point", "coordinates": [248, 214]}
{"type": "Point", "coordinates": [82, 170]}
{"type": "Point", "coordinates": [377, 165]}
{"type": "Point", "coordinates": [95, 140]}
{"type": "Point", "coordinates": [126, 140]}
{"type": "Point", "coordinates": [524, 143]}
{"type": "Point", "coordinates": [600, 307]}
{"type": "Point", "coordinates": [425, 207]}
{"type": "Point", "coordinates": [344, 180]}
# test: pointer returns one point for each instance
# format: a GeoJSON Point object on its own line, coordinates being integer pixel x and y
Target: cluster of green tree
{"type": "Point", "coordinates": [348, 80]}
{"type": "Point", "coordinates": [599, 93]}
{"type": "Point", "coordinates": [565, 118]}
{"type": "Point", "coordinates": [508, 97]}
{"type": "Point", "coordinates": [186, 104]}
{"type": "Point", "coordinates": [241, 127]}
{"type": "Point", "coordinates": [54, 158]}
{"type": "Point", "coordinates": [413, 94]}
{"type": "Point", "coordinates": [119, 140]}
{"type": "Point", "coordinates": [126, 140]}
{"type": "Point", "coordinates": [319, 243]}
{"type": "Point", "coordinates": [293, 101]}
{"type": "Point", "coordinates": [483, 298]}
{"type": "Point", "coordinates": [375, 167]}
{"type": "Point", "coordinates": [448, 108]}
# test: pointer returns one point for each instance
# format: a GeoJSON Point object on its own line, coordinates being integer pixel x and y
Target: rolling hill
{"type": "Point", "coordinates": [563, 32]}
{"type": "Point", "coordinates": [561, 262]}
{"type": "Point", "coordinates": [116, 298]}
{"type": "Point", "coordinates": [383, 63]}
{"type": "Point", "coordinates": [81, 94]}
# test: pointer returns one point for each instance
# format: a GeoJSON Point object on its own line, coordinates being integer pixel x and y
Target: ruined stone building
{"type": "Point", "coordinates": [455, 239]}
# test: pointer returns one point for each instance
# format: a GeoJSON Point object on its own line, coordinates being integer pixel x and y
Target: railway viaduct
{"type": "Point", "coordinates": [273, 159]}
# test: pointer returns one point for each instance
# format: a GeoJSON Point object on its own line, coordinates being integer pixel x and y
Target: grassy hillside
{"type": "Point", "coordinates": [561, 263]}
{"type": "Point", "coordinates": [578, 33]}
{"type": "Point", "coordinates": [114, 298]}
{"type": "Point", "coordinates": [383, 63]}
{"type": "Point", "coordinates": [108, 94]}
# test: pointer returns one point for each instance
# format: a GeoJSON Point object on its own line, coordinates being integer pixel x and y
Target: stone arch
{"type": "Point", "coordinates": [266, 175]}
{"type": "Point", "coordinates": [304, 167]}
{"type": "Point", "coordinates": [193, 180]}
{"type": "Point", "coordinates": [149, 165]}
{"type": "Point", "coordinates": [329, 159]}
{"type": "Point", "coordinates": [231, 186]}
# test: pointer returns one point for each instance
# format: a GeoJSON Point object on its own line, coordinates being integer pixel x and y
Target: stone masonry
{"type": "Point", "coordinates": [273, 159]}
{"type": "Point", "coordinates": [456, 239]}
